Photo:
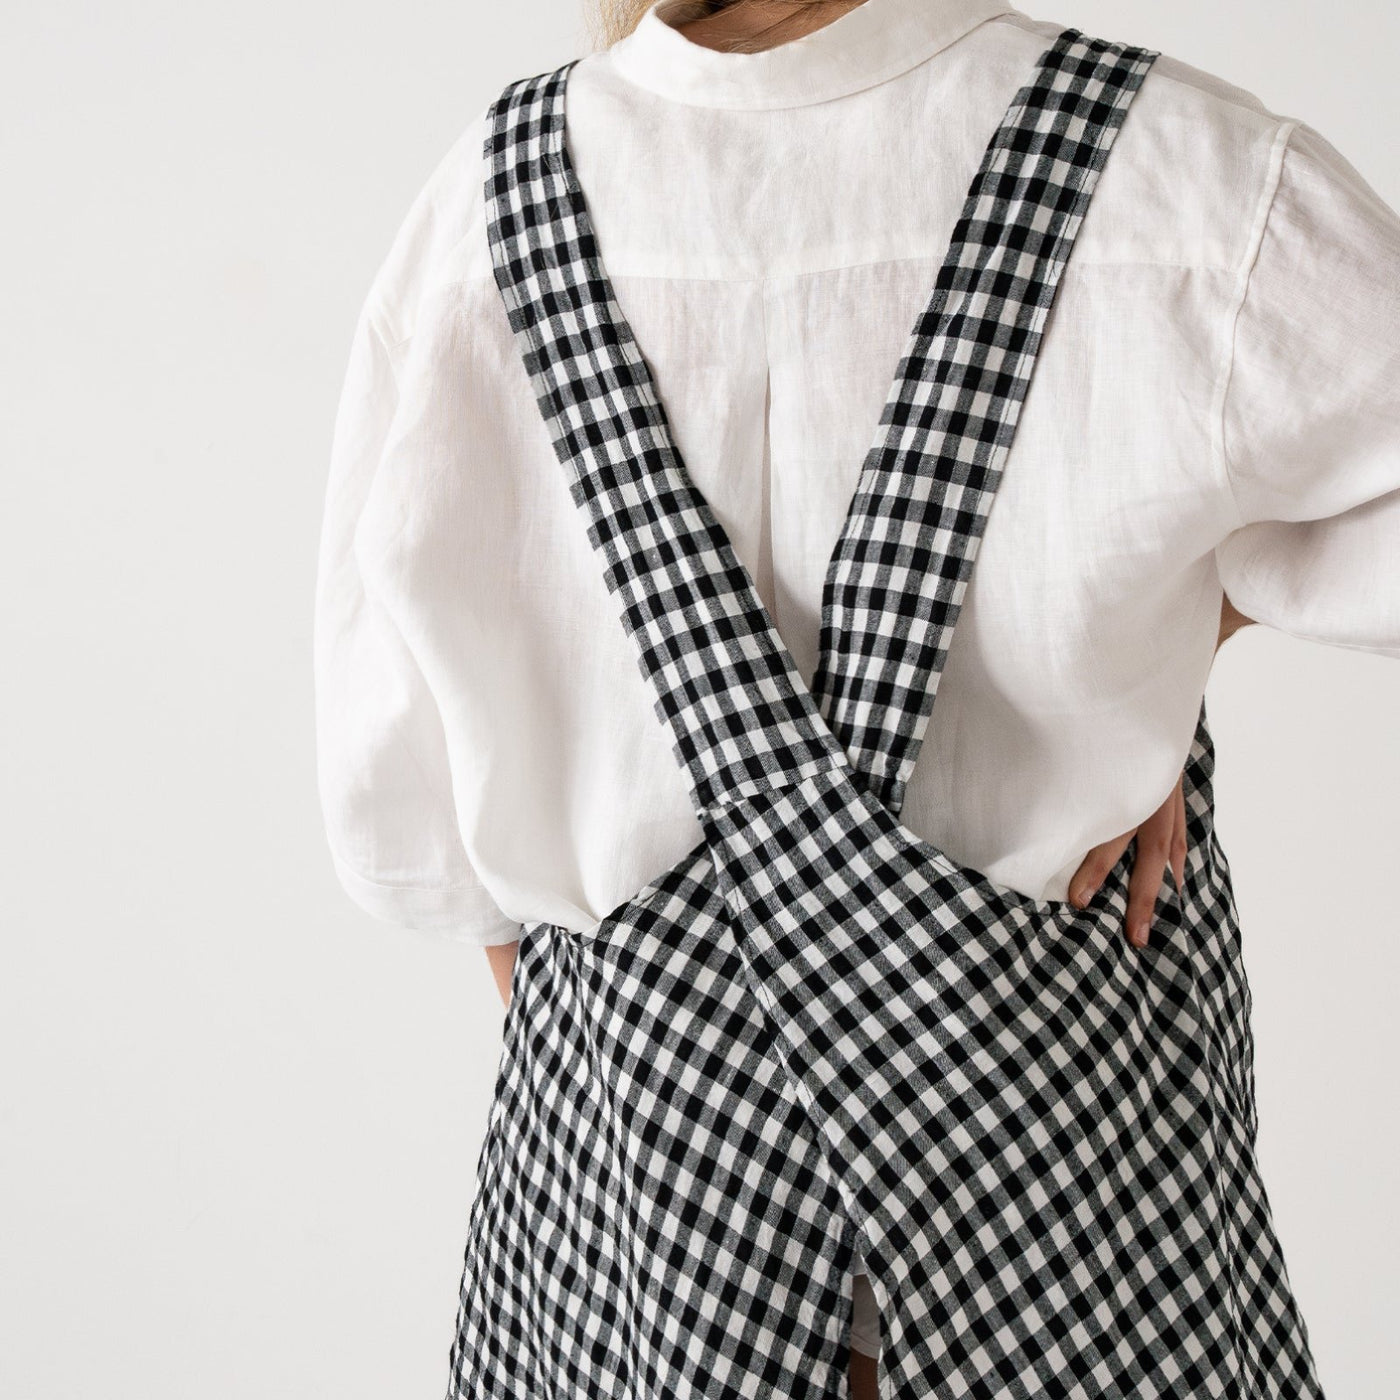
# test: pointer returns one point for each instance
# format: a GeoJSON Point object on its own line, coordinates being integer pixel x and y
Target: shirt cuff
{"type": "Point", "coordinates": [466, 913]}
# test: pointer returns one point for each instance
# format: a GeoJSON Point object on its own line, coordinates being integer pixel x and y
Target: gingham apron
{"type": "Point", "coordinates": [817, 1033]}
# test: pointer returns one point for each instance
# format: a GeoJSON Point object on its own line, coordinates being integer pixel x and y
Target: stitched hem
{"type": "Point", "coordinates": [466, 912]}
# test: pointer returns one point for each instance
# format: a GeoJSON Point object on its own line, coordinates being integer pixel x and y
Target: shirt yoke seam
{"type": "Point", "coordinates": [761, 281]}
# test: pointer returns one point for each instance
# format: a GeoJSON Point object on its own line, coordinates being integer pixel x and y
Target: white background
{"type": "Point", "coordinates": [239, 1121]}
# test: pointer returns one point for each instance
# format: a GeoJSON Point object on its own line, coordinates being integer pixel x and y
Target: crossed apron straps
{"type": "Point", "coordinates": [743, 721]}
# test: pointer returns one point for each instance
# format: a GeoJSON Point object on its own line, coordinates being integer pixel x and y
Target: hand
{"type": "Point", "coordinates": [1160, 839]}
{"type": "Point", "coordinates": [1231, 620]}
{"type": "Point", "coordinates": [502, 960]}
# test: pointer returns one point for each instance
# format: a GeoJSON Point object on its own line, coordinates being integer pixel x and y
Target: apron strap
{"type": "Point", "coordinates": [742, 718]}
{"type": "Point", "coordinates": [896, 581]}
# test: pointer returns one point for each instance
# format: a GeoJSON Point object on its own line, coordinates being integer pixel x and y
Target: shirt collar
{"type": "Point", "coordinates": [875, 41]}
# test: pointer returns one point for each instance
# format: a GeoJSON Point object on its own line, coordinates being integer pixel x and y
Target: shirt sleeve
{"type": "Point", "coordinates": [1311, 414]}
{"type": "Point", "coordinates": [385, 786]}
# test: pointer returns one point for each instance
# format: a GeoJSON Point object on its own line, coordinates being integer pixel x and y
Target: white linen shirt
{"type": "Point", "coordinates": [1217, 403]}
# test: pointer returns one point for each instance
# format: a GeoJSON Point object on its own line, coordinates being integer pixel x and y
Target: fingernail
{"type": "Point", "coordinates": [1140, 933]}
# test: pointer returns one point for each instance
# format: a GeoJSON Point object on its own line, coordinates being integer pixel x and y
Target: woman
{"type": "Point", "coordinates": [680, 1185]}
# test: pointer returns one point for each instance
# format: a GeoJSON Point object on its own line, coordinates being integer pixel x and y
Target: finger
{"type": "Point", "coordinates": [1094, 867]}
{"type": "Point", "coordinates": [1149, 865]}
{"type": "Point", "coordinates": [1150, 861]}
{"type": "Point", "coordinates": [1178, 851]}
{"type": "Point", "coordinates": [1154, 846]}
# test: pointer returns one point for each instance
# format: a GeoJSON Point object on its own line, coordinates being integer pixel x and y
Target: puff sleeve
{"type": "Point", "coordinates": [1310, 424]}
{"type": "Point", "coordinates": [382, 765]}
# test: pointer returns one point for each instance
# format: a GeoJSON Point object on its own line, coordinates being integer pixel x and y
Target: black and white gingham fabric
{"type": "Point", "coordinates": [896, 581]}
{"type": "Point", "coordinates": [818, 1032]}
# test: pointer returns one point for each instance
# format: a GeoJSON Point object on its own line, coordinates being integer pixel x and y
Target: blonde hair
{"type": "Point", "coordinates": [615, 19]}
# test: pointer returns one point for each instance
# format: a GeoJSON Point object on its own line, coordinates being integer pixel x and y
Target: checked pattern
{"type": "Point", "coordinates": [817, 1031]}
{"type": "Point", "coordinates": [895, 584]}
